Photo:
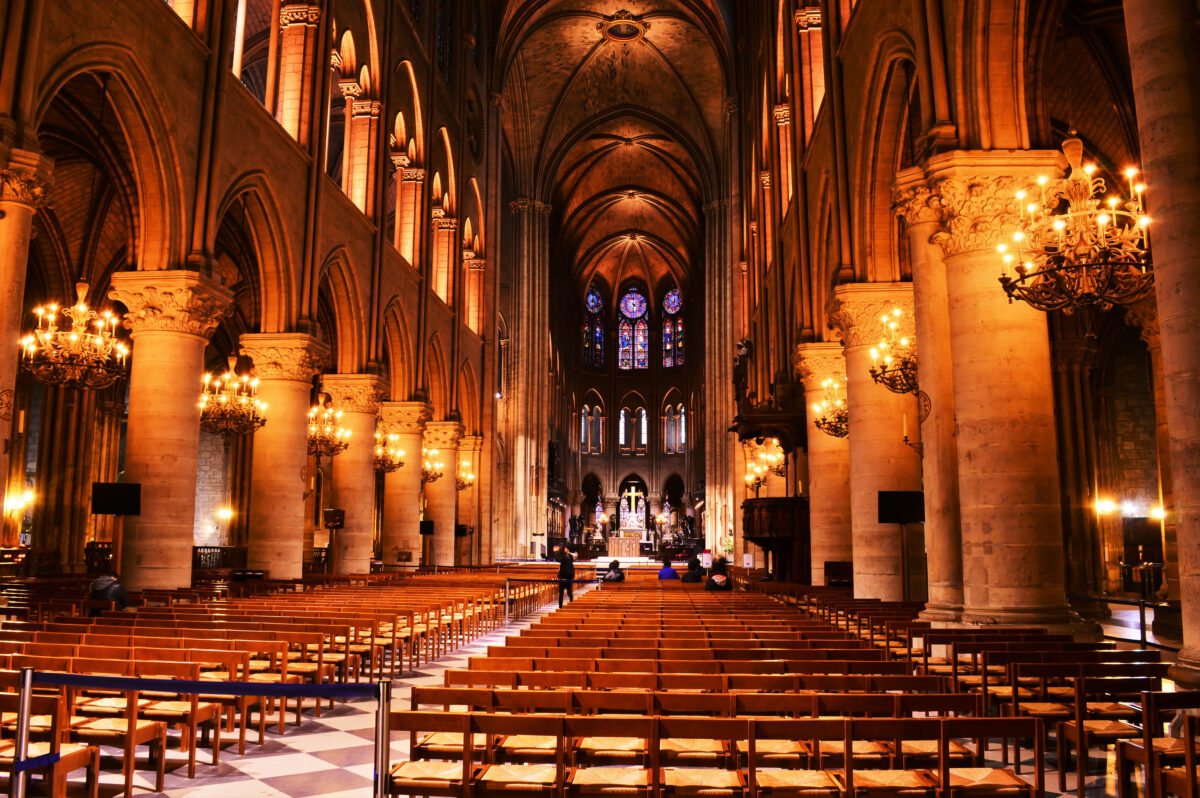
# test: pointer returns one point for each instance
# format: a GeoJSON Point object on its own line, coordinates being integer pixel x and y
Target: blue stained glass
{"type": "Point", "coordinates": [598, 343]}
{"type": "Point", "coordinates": [668, 344]}
{"type": "Point", "coordinates": [593, 301]}
{"type": "Point", "coordinates": [633, 305]}
{"type": "Point", "coordinates": [641, 345]}
{"type": "Point", "coordinates": [672, 302]}
{"type": "Point", "coordinates": [625, 345]}
{"type": "Point", "coordinates": [679, 342]}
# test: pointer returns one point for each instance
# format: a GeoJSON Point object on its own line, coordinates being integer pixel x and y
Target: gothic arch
{"type": "Point", "coordinates": [158, 227]}
{"type": "Point", "coordinates": [398, 347]}
{"type": "Point", "coordinates": [407, 101]}
{"type": "Point", "coordinates": [444, 159]}
{"type": "Point", "coordinates": [338, 285]}
{"type": "Point", "coordinates": [436, 378]}
{"type": "Point", "coordinates": [990, 70]}
{"type": "Point", "coordinates": [467, 399]}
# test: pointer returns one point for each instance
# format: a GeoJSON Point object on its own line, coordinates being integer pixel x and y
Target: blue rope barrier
{"type": "Point", "coordinates": [35, 762]}
{"type": "Point", "coordinates": [187, 687]}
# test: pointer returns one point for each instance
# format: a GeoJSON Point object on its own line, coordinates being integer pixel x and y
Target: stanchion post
{"type": "Point", "coordinates": [19, 755]}
{"type": "Point", "coordinates": [1142, 621]}
{"type": "Point", "coordinates": [382, 737]}
{"type": "Point", "coordinates": [506, 600]}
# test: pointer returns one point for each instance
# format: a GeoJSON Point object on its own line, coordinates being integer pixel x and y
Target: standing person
{"type": "Point", "coordinates": [107, 587]}
{"type": "Point", "coordinates": [667, 572]}
{"type": "Point", "coordinates": [566, 574]}
{"type": "Point", "coordinates": [694, 574]}
{"type": "Point", "coordinates": [720, 578]}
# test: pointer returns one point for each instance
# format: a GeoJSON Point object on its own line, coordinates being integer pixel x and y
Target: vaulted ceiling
{"type": "Point", "coordinates": [615, 116]}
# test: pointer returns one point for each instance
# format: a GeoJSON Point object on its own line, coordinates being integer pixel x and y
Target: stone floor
{"type": "Point", "coordinates": [332, 756]}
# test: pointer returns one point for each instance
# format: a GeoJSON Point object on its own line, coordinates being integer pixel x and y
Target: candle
{"type": "Point", "coordinates": [905, 422]}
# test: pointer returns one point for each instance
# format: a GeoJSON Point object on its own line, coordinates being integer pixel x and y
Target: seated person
{"type": "Point", "coordinates": [720, 579]}
{"type": "Point", "coordinates": [695, 573]}
{"type": "Point", "coordinates": [614, 572]}
{"type": "Point", "coordinates": [667, 572]}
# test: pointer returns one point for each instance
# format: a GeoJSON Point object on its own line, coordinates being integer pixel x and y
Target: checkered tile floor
{"type": "Point", "coordinates": [332, 756]}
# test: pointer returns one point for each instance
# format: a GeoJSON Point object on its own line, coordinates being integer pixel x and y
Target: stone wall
{"type": "Point", "coordinates": [211, 492]}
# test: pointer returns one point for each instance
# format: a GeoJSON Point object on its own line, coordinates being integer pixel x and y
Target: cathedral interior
{"type": "Point", "coordinates": [883, 302]}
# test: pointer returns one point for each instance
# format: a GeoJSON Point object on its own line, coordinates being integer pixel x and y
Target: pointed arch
{"type": "Point", "coordinates": [435, 377]}
{"type": "Point", "coordinates": [467, 400]}
{"type": "Point", "coordinates": [398, 347]}
{"type": "Point", "coordinates": [338, 287]}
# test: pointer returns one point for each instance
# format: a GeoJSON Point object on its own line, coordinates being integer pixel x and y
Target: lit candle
{"type": "Point", "coordinates": [905, 427]}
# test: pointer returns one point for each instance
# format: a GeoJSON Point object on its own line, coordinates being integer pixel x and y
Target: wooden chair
{"type": "Point", "coordinates": [188, 711]}
{"type": "Point", "coordinates": [424, 777]}
{"type": "Point", "coordinates": [1182, 781]}
{"type": "Point", "coordinates": [987, 781]}
{"type": "Point", "coordinates": [704, 750]}
{"type": "Point", "coordinates": [525, 779]}
{"type": "Point", "coordinates": [72, 756]}
{"type": "Point", "coordinates": [610, 755]}
{"type": "Point", "coordinates": [1104, 721]}
{"type": "Point", "coordinates": [1152, 751]}
{"type": "Point", "coordinates": [889, 734]}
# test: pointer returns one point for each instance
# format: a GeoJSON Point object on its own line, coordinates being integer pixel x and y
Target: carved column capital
{"type": "Point", "coordinates": [783, 114]}
{"type": "Point", "coordinates": [856, 309]}
{"type": "Point", "coordinates": [284, 356]}
{"type": "Point", "coordinates": [350, 88]}
{"type": "Point", "coordinates": [807, 18]}
{"type": "Point", "coordinates": [764, 177]}
{"type": "Point", "coordinates": [26, 181]}
{"type": "Point", "coordinates": [445, 223]}
{"type": "Point", "coordinates": [1144, 316]}
{"type": "Point", "coordinates": [405, 418]}
{"type": "Point", "coordinates": [170, 301]}
{"type": "Point", "coordinates": [817, 362]}
{"type": "Point", "coordinates": [443, 435]}
{"type": "Point", "coordinates": [470, 445]}
{"type": "Point", "coordinates": [299, 14]}
{"type": "Point", "coordinates": [473, 264]}
{"type": "Point", "coordinates": [913, 200]}
{"type": "Point", "coordinates": [400, 160]}
{"type": "Point", "coordinates": [527, 205]}
{"type": "Point", "coordinates": [366, 109]}
{"type": "Point", "coordinates": [412, 175]}
{"type": "Point", "coordinates": [354, 393]}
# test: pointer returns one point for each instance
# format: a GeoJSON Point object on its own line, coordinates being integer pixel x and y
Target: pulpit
{"type": "Point", "coordinates": [624, 545]}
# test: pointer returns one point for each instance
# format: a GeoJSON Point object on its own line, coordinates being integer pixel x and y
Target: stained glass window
{"type": "Point", "coordinates": [593, 330]}
{"type": "Point", "coordinates": [596, 437]}
{"type": "Point", "coordinates": [633, 304]}
{"type": "Point", "coordinates": [682, 427]}
{"type": "Point", "coordinates": [621, 434]}
{"type": "Point", "coordinates": [668, 344]}
{"type": "Point", "coordinates": [641, 344]}
{"type": "Point", "coordinates": [625, 344]}
{"type": "Point", "coordinates": [643, 429]}
{"type": "Point", "coordinates": [669, 436]}
{"type": "Point", "coordinates": [679, 342]}
{"type": "Point", "coordinates": [672, 302]}
{"type": "Point", "coordinates": [597, 343]}
{"type": "Point", "coordinates": [593, 301]}
{"type": "Point", "coordinates": [584, 417]}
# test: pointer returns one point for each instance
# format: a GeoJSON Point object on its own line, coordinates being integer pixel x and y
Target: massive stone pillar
{"type": "Point", "coordinates": [1013, 568]}
{"type": "Point", "coordinates": [408, 210]}
{"type": "Point", "coordinates": [828, 463]}
{"type": "Point", "coordinates": [171, 315]}
{"type": "Point", "coordinates": [357, 397]}
{"type": "Point", "coordinates": [919, 208]}
{"type": "Point", "coordinates": [469, 450]}
{"type": "Point", "coordinates": [285, 364]}
{"type": "Point", "coordinates": [23, 189]}
{"type": "Point", "coordinates": [879, 459]}
{"type": "Point", "coordinates": [1166, 87]}
{"type": "Point", "coordinates": [298, 58]}
{"type": "Point", "coordinates": [400, 539]}
{"type": "Point", "coordinates": [441, 496]}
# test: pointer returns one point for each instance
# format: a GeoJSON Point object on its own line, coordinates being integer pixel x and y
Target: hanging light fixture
{"type": "Point", "coordinates": [465, 478]}
{"type": "Point", "coordinates": [326, 436]}
{"type": "Point", "coordinates": [770, 454]}
{"type": "Point", "coordinates": [388, 455]}
{"type": "Point", "coordinates": [431, 468]}
{"type": "Point", "coordinates": [831, 415]}
{"type": "Point", "coordinates": [1076, 247]}
{"type": "Point", "coordinates": [87, 355]}
{"type": "Point", "coordinates": [898, 370]}
{"type": "Point", "coordinates": [229, 405]}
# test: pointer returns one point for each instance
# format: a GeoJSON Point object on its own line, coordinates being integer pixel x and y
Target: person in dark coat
{"type": "Point", "coordinates": [107, 587]}
{"type": "Point", "coordinates": [614, 572]}
{"type": "Point", "coordinates": [667, 572]}
{"type": "Point", "coordinates": [694, 574]}
{"type": "Point", "coordinates": [566, 574]}
{"type": "Point", "coordinates": [720, 578]}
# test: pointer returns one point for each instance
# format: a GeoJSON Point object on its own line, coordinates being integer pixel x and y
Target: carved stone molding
{"type": "Point", "coordinates": [856, 309]}
{"type": "Point", "coordinates": [470, 444]}
{"type": "Point", "coordinates": [783, 114]}
{"type": "Point", "coordinates": [296, 357]}
{"type": "Point", "coordinates": [355, 393]}
{"type": "Point", "coordinates": [525, 205]}
{"type": "Point", "coordinates": [405, 418]}
{"type": "Point", "coordinates": [412, 175]}
{"type": "Point", "coordinates": [917, 204]}
{"type": "Point", "coordinates": [26, 188]}
{"type": "Point", "coordinates": [170, 301]}
{"type": "Point", "coordinates": [807, 18]}
{"type": "Point", "coordinates": [1144, 316]}
{"type": "Point", "coordinates": [817, 362]}
{"type": "Point", "coordinates": [977, 212]}
{"type": "Point", "coordinates": [445, 223]}
{"type": "Point", "coordinates": [350, 88]}
{"type": "Point", "coordinates": [400, 160]}
{"type": "Point", "coordinates": [474, 264]}
{"type": "Point", "coordinates": [443, 436]}
{"type": "Point", "coordinates": [300, 14]}
{"type": "Point", "coordinates": [366, 108]}
{"type": "Point", "coordinates": [764, 177]}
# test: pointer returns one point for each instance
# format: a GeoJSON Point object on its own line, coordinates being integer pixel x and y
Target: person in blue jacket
{"type": "Point", "coordinates": [667, 571]}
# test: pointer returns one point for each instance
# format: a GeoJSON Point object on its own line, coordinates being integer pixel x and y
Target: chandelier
{"type": "Point", "coordinates": [326, 437]}
{"type": "Point", "coordinates": [756, 475]}
{"type": "Point", "coordinates": [831, 415]}
{"type": "Point", "coordinates": [229, 405]}
{"type": "Point", "coordinates": [388, 455]}
{"type": "Point", "coordinates": [769, 453]}
{"type": "Point", "coordinates": [1075, 247]}
{"type": "Point", "coordinates": [77, 357]}
{"type": "Point", "coordinates": [898, 372]}
{"type": "Point", "coordinates": [431, 468]}
{"type": "Point", "coordinates": [465, 478]}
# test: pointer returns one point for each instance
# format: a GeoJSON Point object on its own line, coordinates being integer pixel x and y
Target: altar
{"type": "Point", "coordinates": [624, 545]}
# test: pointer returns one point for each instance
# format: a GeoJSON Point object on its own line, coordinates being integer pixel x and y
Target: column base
{"type": "Point", "coordinates": [1055, 620]}
{"type": "Point", "coordinates": [941, 613]}
{"type": "Point", "coordinates": [1186, 670]}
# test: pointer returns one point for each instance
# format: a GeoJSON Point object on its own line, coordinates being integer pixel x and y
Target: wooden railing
{"type": "Point", "coordinates": [207, 558]}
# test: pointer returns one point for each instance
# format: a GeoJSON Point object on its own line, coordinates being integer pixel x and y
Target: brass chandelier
{"type": "Point", "coordinates": [85, 356]}
{"type": "Point", "coordinates": [431, 467]}
{"type": "Point", "coordinates": [830, 414]}
{"type": "Point", "coordinates": [326, 436]}
{"type": "Point", "coordinates": [1076, 247]}
{"type": "Point", "coordinates": [389, 456]}
{"type": "Point", "coordinates": [229, 405]}
{"type": "Point", "coordinates": [465, 478]}
{"type": "Point", "coordinates": [898, 370]}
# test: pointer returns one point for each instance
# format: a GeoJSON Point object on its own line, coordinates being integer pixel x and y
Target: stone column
{"type": "Point", "coordinates": [171, 316]}
{"type": "Point", "coordinates": [408, 211]}
{"type": "Point", "coordinates": [402, 488]}
{"type": "Point", "coordinates": [285, 364]}
{"type": "Point", "coordinates": [1013, 568]}
{"type": "Point", "coordinates": [828, 463]}
{"type": "Point", "coordinates": [445, 250]}
{"type": "Point", "coordinates": [357, 396]}
{"type": "Point", "coordinates": [361, 138]}
{"type": "Point", "coordinates": [441, 495]}
{"type": "Point", "coordinates": [469, 449]}
{"type": "Point", "coordinates": [24, 186]}
{"type": "Point", "coordinates": [298, 24]}
{"type": "Point", "coordinates": [921, 211]}
{"type": "Point", "coordinates": [879, 460]}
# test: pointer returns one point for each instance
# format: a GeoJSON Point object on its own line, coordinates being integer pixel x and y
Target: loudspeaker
{"type": "Point", "coordinates": [334, 519]}
{"type": "Point", "coordinates": [901, 507]}
{"type": "Point", "coordinates": [116, 498]}
{"type": "Point", "coordinates": [426, 527]}
{"type": "Point", "coordinates": [463, 531]}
